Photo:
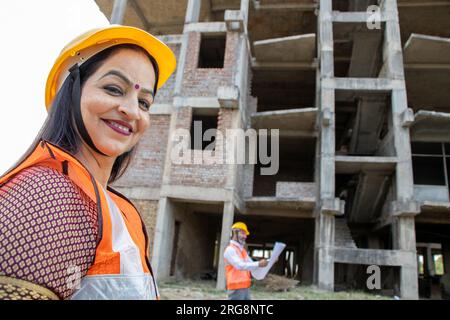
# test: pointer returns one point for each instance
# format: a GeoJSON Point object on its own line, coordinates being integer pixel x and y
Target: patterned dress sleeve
{"type": "Point", "coordinates": [48, 230]}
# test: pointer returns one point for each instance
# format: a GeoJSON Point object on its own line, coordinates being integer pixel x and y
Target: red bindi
{"type": "Point", "coordinates": [136, 86]}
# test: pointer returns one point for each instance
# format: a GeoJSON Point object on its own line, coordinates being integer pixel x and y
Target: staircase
{"type": "Point", "coordinates": [342, 235]}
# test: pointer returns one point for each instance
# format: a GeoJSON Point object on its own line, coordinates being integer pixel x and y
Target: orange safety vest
{"type": "Point", "coordinates": [105, 272]}
{"type": "Point", "coordinates": [237, 279]}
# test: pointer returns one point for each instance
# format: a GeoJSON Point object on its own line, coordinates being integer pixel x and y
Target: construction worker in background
{"type": "Point", "coordinates": [238, 264]}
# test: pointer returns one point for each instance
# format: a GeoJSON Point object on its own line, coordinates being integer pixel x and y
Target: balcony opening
{"type": "Point", "coordinates": [296, 164]}
{"type": "Point", "coordinates": [361, 122]}
{"type": "Point", "coordinates": [212, 51]}
{"type": "Point", "coordinates": [203, 129]}
{"type": "Point", "coordinates": [428, 163]}
{"type": "Point", "coordinates": [284, 89]}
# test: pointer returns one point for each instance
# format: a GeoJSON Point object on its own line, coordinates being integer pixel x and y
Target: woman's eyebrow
{"type": "Point", "coordinates": [126, 80]}
{"type": "Point", "coordinates": [117, 74]}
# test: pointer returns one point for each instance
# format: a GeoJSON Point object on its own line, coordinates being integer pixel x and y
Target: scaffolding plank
{"type": "Point", "coordinates": [424, 49]}
{"type": "Point", "coordinates": [356, 164]}
{"type": "Point", "coordinates": [299, 48]}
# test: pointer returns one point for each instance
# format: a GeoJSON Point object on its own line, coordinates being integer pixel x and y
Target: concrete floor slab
{"type": "Point", "coordinates": [277, 203]}
{"type": "Point", "coordinates": [355, 164]}
{"type": "Point", "coordinates": [434, 213]}
{"type": "Point", "coordinates": [427, 49]}
{"type": "Point", "coordinates": [431, 125]}
{"type": "Point", "coordinates": [293, 119]}
{"type": "Point", "coordinates": [299, 48]}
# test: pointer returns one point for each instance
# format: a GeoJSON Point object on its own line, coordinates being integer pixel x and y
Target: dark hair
{"type": "Point", "coordinates": [60, 129]}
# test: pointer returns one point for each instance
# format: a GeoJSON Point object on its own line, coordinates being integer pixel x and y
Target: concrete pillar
{"type": "Point", "coordinates": [325, 176]}
{"type": "Point", "coordinates": [323, 253]}
{"type": "Point", "coordinates": [162, 244]}
{"type": "Point", "coordinates": [445, 279]}
{"type": "Point", "coordinates": [227, 222]}
{"type": "Point", "coordinates": [404, 238]}
{"type": "Point", "coordinates": [193, 11]}
{"type": "Point", "coordinates": [119, 8]}
{"type": "Point", "coordinates": [419, 252]}
{"type": "Point", "coordinates": [430, 261]}
{"type": "Point", "coordinates": [446, 257]}
{"type": "Point", "coordinates": [403, 225]}
{"type": "Point", "coordinates": [245, 8]}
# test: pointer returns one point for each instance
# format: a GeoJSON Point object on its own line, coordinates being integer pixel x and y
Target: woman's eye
{"type": "Point", "coordinates": [114, 90]}
{"type": "Point", "coordinates": [144, 105]}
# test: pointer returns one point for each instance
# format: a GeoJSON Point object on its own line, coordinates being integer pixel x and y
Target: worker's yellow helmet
{"type": "Point", "coordinates": [241, 226]}
{"type": "Point", "coordinates": [92, 42]}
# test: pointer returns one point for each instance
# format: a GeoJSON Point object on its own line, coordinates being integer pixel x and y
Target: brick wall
{"type": "Point", "coordinates": [147, 166]}
{"type": "Point", "coordinates": [205, 82]}
{"type": "Point", "coordinates": [202, 175]}
{"type": "Point", "coordinates": [195, 250]}
{"type": "Point", "coordinates": [165, 94]}
{"type": "Point", "coordinates": [295, 190]}
{"type": "Point", "coordinates": [148, 210]}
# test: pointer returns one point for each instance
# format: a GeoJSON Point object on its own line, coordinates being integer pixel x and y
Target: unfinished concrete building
{"type": "Point", "coordinates": [361, 98]}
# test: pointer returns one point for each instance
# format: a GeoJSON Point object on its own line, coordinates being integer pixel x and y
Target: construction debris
{"type": "Point", "coordinates": [276, 283]}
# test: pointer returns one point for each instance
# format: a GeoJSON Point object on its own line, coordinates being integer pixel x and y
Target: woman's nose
{"type": "Point", "coordinates": [130, 108]}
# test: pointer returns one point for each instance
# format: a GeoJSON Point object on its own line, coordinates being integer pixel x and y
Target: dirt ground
{"type": "Point", "coordinates": [206, 290]}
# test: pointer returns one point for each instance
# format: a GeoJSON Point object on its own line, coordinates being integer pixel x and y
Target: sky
{"type": "Point", "coordinates": [32, 35]}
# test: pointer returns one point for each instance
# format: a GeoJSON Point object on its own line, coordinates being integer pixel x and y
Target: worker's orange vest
{"type": "Point", "coordinates": [237, 279]}
{"type": "Point", "coordinates": [107, 262]}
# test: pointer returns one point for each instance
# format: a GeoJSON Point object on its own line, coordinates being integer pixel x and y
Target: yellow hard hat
{"type": "Point", "coordinates": [92, 42]}
{"type": "Point", "coordinates": [241, 226]}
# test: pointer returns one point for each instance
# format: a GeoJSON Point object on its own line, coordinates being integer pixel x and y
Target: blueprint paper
{"type": "Point", "coordinates": [260, 273]}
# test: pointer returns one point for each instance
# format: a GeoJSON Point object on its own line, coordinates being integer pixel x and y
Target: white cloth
{"type": "Point", "coordinates": [132, 282]}
{"type": "Point", "coordinates": [235, 259]}
{"type": "Point", "coordinates": [130, 258]}
{"type": "Point", "coordinates": [260, 273]}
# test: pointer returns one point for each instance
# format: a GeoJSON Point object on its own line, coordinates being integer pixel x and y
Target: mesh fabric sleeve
{"type": "Point", "coordinates": [48, 230]}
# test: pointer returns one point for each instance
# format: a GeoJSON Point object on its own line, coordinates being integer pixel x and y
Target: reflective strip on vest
{"type": "Point", "coordinates": [116, 287]}
{"type": "Point", "coordinates": [132, 282]}
{"type": "Point", "coordinates": [237, 279]}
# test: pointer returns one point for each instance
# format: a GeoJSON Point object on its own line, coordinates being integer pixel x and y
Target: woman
{"type": "Point", "coordinates": [64, 232]}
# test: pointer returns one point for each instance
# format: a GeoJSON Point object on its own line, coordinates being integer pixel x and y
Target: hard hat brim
{"type": "Point", "coordinates": [97, 40]}
{"type": "Point", "coordinates": [241, 226]}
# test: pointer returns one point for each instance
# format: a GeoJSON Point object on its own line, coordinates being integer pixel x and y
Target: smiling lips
{"type": "Point", "coordinates": [119, 126]}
